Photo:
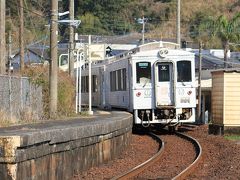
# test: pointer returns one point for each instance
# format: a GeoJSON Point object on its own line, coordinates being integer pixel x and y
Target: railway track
{"type": "Point", "coordinates": [197, 160]}
{"type": "Point", "coordinates": [157, 158]}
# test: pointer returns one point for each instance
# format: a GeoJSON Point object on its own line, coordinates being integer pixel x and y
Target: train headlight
{"type": "Point", "coordinates": [163, 52]}
{"type": "Point", "coordinates": [138, 94]}
{"type": "Point", "coordinates": [189, 93]}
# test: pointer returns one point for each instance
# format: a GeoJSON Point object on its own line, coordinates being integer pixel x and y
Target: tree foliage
{"type": "Point", "coordinates": [227, 30]}
{"type": "Point", "coordinates": [108, 16]}
{"type": "Point", "coordinates": [104, 17]}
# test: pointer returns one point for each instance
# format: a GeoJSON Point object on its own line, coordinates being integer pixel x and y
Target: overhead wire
{"type": "Point", "coordinates": [26, 9]}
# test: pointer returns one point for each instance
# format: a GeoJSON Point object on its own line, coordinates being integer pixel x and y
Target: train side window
{"type": "Point", "coordinates": [94, 83]}
{"type": "Point", "coordinates": [84, 84]}
{"type": "Point", "coordinates": [118, 80]}
{"type": "Point", "coordinates": [124, 78]}
{"type": "Point", "coordinates": [184, 71]}
{"type": "Point", "coordinates": [163, 73]}
{"type": "Point", "coordinates": [113, 84]}
{"type": "Point", "coordinates": [143, 72]}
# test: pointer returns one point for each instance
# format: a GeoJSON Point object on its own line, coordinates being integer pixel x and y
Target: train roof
{"type": "Point", "coordinates": [170, 52]}
{"type": "Point", "coordinates": [152, 50]}
{"type": "Point", "coordinates": [161, 49]}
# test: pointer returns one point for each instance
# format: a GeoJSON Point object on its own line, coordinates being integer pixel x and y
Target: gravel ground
{"type": "Point", "coordinates": [177, 155]}
{"type": "Point", "coordinates": [140, 149]}
{"type": "Point", "coordinates": [221, 158]}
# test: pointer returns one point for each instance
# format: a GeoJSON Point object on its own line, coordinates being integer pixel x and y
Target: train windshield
{"type": "Point", "coordinates": [184, 71]}
{"type": "Point", "coordinates": [143, 72]}
{"type": "Point", "coordinates": [163, 73]}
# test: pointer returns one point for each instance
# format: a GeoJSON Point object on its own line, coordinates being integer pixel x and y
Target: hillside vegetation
{"type": "Point", "coordinates": [104, 17]}
{"type": "Point", "coordinates": [119, 17]}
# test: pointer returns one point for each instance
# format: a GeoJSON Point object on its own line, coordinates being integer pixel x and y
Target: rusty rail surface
{"type": "Point", "coordinates": [138, 169]}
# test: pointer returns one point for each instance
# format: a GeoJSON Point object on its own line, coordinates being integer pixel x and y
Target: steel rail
{"type": "Point", "coordinates": [197, 160]}
{"type": "Point", "coordinates": [138, 169]}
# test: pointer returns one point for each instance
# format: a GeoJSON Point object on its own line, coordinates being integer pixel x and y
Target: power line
{"type": "Point", "coordinates": [27, 9]}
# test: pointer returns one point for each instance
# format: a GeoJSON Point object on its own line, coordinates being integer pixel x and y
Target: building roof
{"type": "Point", "coordinates": [209, 61]}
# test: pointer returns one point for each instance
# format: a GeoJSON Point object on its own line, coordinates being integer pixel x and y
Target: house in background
{"type": "Point", "coordinates": [34, 55]}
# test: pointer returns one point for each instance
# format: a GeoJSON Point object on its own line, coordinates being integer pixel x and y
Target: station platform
{"type": "Point", "coordinates": [56, 149]}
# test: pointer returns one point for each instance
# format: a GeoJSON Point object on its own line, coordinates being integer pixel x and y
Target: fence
{"type": "Point", "coordinates": [19, 99]}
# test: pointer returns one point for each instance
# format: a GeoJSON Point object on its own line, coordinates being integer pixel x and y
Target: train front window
{"type": "Point", "coordinates": [184, 71]}
{"type": "Point", "coordinates": [163, 73]}
{"type": "Point", "coordinates": [143, 72]}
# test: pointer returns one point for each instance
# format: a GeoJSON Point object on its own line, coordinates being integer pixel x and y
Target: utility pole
{"type": "Point", "coordinates": [178, 22]}
{"type": "Point", "coordinates": [71, 39]}
{"type": "Point", "coordinates": [9, 50]}
{"type": "Point", "coordinates": [143, 30]}
{"type": "Point", "coordinates": [199, 83]}
{"type": "Point", "coordinates": [2, 38]}
{"type": "Point", "coordinates": [21, 32]}
{"type": "Point", "coordinates": [53, 69]}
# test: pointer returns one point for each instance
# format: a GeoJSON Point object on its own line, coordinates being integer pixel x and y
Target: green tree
{"type": "Point", "coordinates": [227, 30]}
{"type": "Point", "coordinates": [90, 24]}
{"type": "Point", "coordinates": [113, 16]}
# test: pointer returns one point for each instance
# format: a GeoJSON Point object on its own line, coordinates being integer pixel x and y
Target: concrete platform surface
{"type": "Point", "coordinates": [56, 131]}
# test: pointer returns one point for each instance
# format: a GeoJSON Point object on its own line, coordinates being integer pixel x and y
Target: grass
{"type": "Point", "coordinates": [232, 137]}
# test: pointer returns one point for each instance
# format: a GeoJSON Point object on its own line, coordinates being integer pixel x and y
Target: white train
{"type": "Point", "coordinates": [155, 81]}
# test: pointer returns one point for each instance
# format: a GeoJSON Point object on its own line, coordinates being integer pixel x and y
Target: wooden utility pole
{"type": "Point", "coordinates": [21, 32]}
{"type": "Point", "coordinates": [143, 30]}
{"type": "Point", "coordinates": [178, 22]}
{"type": "Point", "coordinates": [53, 69]}
{"type": "Point", "coordinates": [71, 39]}
{"type": "Point", "coordinates": [2, 38]}
{"type": "Point", "coordinates": [199, 83]}
{"type": "Point", "coordinates": [9, 50]}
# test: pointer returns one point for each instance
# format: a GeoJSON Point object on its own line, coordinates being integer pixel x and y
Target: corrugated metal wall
{"type": "Point", "coordinates": [19, 99]}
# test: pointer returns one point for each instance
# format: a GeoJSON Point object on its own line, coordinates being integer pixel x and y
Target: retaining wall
{"type": "Point", "coordinates": [58, 150]}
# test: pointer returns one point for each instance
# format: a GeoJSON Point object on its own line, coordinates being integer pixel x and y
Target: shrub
{"type": "Point", "coordinates": [66, 89]}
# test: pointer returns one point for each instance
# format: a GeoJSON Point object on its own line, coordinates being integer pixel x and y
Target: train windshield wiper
{"type": "Point", "coordinates": [145, 81]}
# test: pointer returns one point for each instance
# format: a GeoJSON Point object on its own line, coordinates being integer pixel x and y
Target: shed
{"type": "Point", "coordinates": [225, 101]}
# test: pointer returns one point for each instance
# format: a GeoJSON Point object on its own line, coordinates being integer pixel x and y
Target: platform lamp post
{"type": "Point", "coordinates": [80, 57]}
{"type": "Point", "coordinates": [90, 112]}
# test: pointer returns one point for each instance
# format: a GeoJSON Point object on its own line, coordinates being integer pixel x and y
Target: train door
{"type": "Point", "coordinates": [164, 84]}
